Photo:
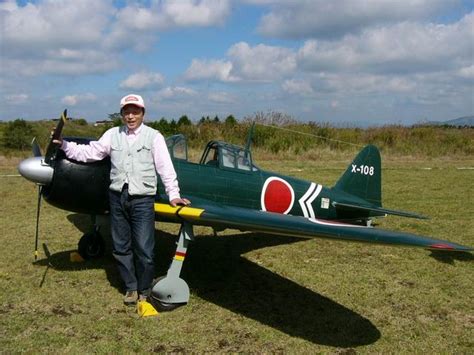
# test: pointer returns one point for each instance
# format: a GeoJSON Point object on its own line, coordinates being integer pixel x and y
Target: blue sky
{"type": "Point", "coordinates": [370, 61]}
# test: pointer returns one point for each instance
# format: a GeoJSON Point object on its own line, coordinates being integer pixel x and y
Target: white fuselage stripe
{"type": "Point", "coordinates": [309, 203]}
{"type": "Point", "coordinates": [335, 224]}
{"type": "Point", "coordinates": [304, 197]}
{"type": "Point", "coordinates": [307, 199]}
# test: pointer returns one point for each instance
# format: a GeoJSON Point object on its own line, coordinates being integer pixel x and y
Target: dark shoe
{"type": "Point", "coordinates": [130, 298]}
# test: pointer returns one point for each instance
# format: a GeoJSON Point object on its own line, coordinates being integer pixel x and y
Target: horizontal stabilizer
{"type": "Point", "coordinates": [378, 210]}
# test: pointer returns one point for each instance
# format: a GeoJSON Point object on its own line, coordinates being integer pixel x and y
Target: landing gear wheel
{"type": "Point", "coordinates": [159, 305]}
{"type": "Point", "coordinates": [164, 307]}
{"type": "Point", "coordinates": [91, 246]}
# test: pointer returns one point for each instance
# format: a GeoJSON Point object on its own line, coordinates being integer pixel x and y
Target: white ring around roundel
{"type": "Point", "coordinates": [264, 189]}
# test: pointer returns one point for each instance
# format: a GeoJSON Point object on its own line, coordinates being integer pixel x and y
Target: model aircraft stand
{"type": "Point", "coordinates": [171, 291]}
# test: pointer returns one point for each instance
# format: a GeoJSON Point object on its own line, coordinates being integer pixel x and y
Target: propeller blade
{"type": "Point", "coordinates": [38, 207]}
{"type": "Point", "coordinates": [52, 147]}
{"type": "Point", "coordinates": [36, 148]}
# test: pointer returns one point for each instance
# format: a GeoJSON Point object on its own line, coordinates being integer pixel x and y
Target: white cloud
{"type": "Point", "coordinates": [332, 19]}
{"type": "Point", "coordinates": [195, 12]}
{"type": "Point", "coordinates": [245, 63]}
{"type": "Point", "coordinates": [221, 97]}
{"type": "Point", "coordinates": [88, 36]}
{"type": "Point", "coordinates": [35, 29]}
{"type": "Point", "coordinates": [136, 25]}
{"type": "Point", "coordinates": [362, 84]}
{"type": "Point", "coordinates": [166, 14]}
{"type": "Point", "coordinates": [466, 72]}
{"type": "Point", "coordinates": [73, 100]}
{"type": "Point", "coordinates": [175, 92]}
{"type": "Point", "coordinates": [16, 99]}
{"type": "Point", "coordinates": [402, 48]}
{"type": "Point", "coordinates": [298, 87]}
{"type": "Point", "coordinates": [261, 62]}
{"type": "Point", "coordinates": [58, 37]}
{"type": "Point", "coordinates": [8, 5]}
{"type": "Point", "coordinates": [210, 69]}
{"type": "Point", "coordinates": [142, 80]}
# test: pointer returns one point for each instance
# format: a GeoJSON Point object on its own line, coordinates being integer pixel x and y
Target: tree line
{"type": "Point", "coordinates": [275, 133]}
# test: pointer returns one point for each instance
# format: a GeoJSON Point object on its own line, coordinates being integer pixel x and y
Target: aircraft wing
{"type": "Point", "coordinates": [215, 215]}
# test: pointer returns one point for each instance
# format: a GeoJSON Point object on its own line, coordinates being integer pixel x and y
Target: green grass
{"type": "Point", "coordinates": [250, 292]}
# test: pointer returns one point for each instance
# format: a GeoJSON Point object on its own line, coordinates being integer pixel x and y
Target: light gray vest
{"type": "Point", "coordinates": [133, 163]}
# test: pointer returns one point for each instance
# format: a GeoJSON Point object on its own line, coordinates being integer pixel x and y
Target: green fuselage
{"type": "Point", "coordinates": [260, 190]}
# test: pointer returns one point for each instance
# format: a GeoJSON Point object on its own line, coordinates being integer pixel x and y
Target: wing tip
{"type": "Point", "coordinates": [449, 247]}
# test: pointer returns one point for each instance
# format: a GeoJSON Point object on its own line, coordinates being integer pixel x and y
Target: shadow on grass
{"type": "Point", "coordinates": [449, 257]}
{"type": "Point", "coordinates": [217, 272]}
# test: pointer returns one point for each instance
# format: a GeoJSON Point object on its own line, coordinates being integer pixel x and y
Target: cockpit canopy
{"type": "Point", "coordinates": [227, 156]}
{"type": "Point", "coordinates": [177, 146]}
{"type": "Point", "coordinates": [217, 153]}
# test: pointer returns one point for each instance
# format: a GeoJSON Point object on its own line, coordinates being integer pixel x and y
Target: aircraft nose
{"type": "Point", "coordinates": [34, 169]}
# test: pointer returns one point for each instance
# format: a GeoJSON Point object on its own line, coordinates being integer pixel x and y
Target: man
{"type": "Point", "coordinates": [137, 153]}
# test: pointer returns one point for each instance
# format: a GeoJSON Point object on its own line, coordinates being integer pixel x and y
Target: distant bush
{"type": "Point", "coordinates": [275, 134]}
{"type": "Point", "coordinates": [18, 134]}
{"type": "Point", "coordinates": [80, 122]}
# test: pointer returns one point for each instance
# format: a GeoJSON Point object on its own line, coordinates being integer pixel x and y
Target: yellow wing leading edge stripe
{"type": "Point", "coordinates": [168, 210]}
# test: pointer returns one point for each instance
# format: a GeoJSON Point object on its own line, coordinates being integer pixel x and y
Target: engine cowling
{"type": "Point", "coordinates": [79, 187]}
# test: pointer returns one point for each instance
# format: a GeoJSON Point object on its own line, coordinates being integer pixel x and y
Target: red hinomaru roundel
{"type": "Point", "coordinates": [277, 195]}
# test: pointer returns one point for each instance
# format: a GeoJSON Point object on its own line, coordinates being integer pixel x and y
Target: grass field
{"type": "Point", "coordinates": [249, 292]}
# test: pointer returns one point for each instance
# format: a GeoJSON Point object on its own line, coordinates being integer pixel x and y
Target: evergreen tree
{"type": "Point", "coordinates": [163, 126]}
{"type": "Point", "coordinates": [173, 127]}
{"type": "Point", "coordinates": [204, 120]}
{"type": "Point", "coordinates": [230, 121]}
{"type": "Point", "coordinates": [184, 121]}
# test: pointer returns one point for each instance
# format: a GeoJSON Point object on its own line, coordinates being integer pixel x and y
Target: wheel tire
{"type": "Point", "coordinates": [91, 246]}
{"type": "Point", "coordinates": [162, 306]}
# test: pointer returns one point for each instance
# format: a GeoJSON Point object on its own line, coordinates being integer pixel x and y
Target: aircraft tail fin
{"type": "Point", "coordinates": [363, 177]}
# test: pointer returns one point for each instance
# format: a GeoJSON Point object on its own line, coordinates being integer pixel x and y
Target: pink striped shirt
{"type": "Point", "coordinates": [98, 150]}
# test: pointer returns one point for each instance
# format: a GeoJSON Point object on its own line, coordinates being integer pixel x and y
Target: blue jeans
{"type": "Point", "coordinates": [133, 237]}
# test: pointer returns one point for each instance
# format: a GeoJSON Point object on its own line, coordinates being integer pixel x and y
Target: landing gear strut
{"type": "Point", "coordinates": [91, 245]}
{"type": "Point", "coordinates": [170, 291]}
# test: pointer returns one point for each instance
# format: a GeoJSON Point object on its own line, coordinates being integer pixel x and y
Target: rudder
{"type": "Point", "coordinates": [363, 177]}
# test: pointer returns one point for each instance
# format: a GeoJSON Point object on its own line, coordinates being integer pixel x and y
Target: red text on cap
{"type": "Point", "coordinates": [131, 98]}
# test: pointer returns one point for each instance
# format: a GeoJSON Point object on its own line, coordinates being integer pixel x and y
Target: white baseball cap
{"type": "Point", "coordinates": [132, 99]}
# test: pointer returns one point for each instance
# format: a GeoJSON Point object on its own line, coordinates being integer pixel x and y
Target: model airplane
{"type": "Point", "coordinates": [228, 190]}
